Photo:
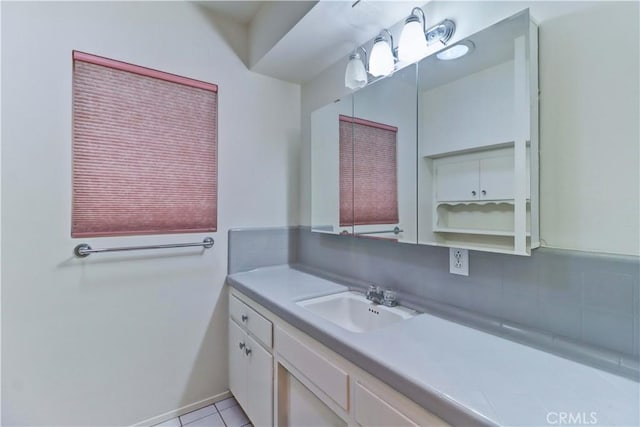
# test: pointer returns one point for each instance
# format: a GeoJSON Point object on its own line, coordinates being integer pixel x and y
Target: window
{"type": "Point", "coordinates": [368, 172]}
{"type": "Point", "coordinates": [144, 150]}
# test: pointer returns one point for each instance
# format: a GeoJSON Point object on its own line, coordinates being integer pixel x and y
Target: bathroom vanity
{"type": "Point", "coordinates": [291, 366]}
{"type": "Point", "coordinates": [279, 373]}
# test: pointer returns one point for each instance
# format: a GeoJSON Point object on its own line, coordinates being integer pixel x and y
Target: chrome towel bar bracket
{"type": "Point", "coordinates": [83, 250]}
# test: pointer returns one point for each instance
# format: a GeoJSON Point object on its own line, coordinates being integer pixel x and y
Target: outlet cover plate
{"type": "Point", "coordinates": [459, 261]}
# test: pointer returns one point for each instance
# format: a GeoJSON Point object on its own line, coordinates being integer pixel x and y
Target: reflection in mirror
{"type": "Point", "coordinates": [477, 161]}
{"type": "Point", "coordinates": [331, 205]}
{"type": "Point", "coordinates": [384, 158]}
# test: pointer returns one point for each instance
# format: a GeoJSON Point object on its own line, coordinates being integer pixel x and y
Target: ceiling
{"type": "Point", "coordinates": [327, 33]}
{"type": "Point", "coordinates": [324, 34]}
{"type": "Point", "coordinates": [240, 11]}
{"type": "Point", "coordinates": [296, 40]}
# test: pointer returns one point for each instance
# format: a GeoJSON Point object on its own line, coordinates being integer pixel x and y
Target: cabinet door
{"type": "Point", "coordinates": [371, 410]}
{"type": "Point", "coordinates": [457, 181]}
{"type": "Point", "coordinates": [259, 384]}
{"type": "Point", "coordinates": [237, 363]}
{"type": "Point", "coordinates": [497, 178]}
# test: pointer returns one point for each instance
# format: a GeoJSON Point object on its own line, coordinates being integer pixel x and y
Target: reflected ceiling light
{"type": "Point", "coordinates": [382, 60]}
{"type": "Point", "coordinates": [456, 51]}
{"type": "Point", "coordinates": [356, 75]}
{"type": "Point", "coordinates": [413, 39]}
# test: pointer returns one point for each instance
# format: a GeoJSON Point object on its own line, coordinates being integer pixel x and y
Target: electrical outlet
{"type": "Point", "coordinates": [459, 261]}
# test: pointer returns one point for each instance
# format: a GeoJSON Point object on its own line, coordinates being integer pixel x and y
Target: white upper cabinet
{"type": "Point", "coordinates": [485, 179]}
{"type": "Point", "coordinates": [496, 178]}
{"type": "Point", "coordinates": [458, 181]}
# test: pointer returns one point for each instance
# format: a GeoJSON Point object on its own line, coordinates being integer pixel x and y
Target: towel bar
{"type": "Point", "coordinates": [83, 250]}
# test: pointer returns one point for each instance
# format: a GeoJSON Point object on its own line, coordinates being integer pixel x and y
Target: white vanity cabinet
{"type": "Point", "coordinates": [311, 385]}
{"type": "Point", "coordinates": [251, 362]}
{"type": "Point", "coordinates": [373, 410]}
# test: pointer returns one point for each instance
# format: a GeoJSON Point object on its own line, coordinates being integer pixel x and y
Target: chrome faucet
{"type": "Point", "coordinates": [377, 295]}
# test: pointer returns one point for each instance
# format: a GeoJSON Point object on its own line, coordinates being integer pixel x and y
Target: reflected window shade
{"type": "Point", "coordinates": [368, 172]}
{"type": "Point", "coordinates": [144, 151]}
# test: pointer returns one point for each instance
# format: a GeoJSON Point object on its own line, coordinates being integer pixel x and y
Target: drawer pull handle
{"type": "Point", "coordinates": [473, 193]}
{"type": "Point", "coordinates": [245, 317]}
{"type": "Point", "coordinates": [242, 345]}
{"type": "Point", "coordinates": [484, 192]}
{"type": "Point", "coordinates": [247, 351]}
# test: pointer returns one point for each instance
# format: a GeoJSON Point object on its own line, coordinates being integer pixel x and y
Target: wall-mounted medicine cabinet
{"type": "Point", "coordinates": [459, 159]}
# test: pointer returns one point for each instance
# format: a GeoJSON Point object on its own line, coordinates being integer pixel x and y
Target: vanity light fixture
{"type": "Point", "coordinates": [413, 39]}
{"type": "Point", "coordinates": [456, 51]}
{"type": "Point", "coordinates": [416, 37]}
{"type": "Point", "coordinates": [356, 75]}
{"type": "Point", "coordinates": [382, 61]}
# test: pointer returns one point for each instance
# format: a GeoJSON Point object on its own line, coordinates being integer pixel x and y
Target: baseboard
{"type": "Point", "coordinates": [183, 410]}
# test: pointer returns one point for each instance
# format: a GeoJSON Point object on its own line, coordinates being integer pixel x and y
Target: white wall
{"type": "Point", "coordinates": [588, 117]}
{"type": "Point", "coordinates": [119, 338]}
{"type": "Point", "coordinates": [590, 131]}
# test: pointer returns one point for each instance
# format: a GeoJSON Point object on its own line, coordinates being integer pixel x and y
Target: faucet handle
{"type": "Point", "coordinates": [389, 298]}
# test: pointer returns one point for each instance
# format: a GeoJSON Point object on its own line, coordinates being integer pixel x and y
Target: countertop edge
{"type": "Point", "coordinates": [437, 403]}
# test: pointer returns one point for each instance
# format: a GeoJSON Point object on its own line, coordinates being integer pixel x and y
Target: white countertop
{"type": "Point", "coordinates": [464, 375]}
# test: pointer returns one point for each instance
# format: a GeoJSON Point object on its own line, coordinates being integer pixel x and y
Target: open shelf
{"type": "Point", "coordinates": [478, 202]}
{"type": "Point", "coordinates": [477, 231]}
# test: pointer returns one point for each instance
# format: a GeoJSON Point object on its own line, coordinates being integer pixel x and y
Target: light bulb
{"type": "Point", "coordinates": [381, 62]}
{"type": "Point", "coordinates": [355, 76]}
{"type": "Point", "coordinates": [413, 42]}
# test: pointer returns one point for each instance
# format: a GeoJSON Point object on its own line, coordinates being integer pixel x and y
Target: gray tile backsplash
{"type": "Point", "coordinates": [251, 248]}
{"type": "Point", "coordinates": [586, 298]}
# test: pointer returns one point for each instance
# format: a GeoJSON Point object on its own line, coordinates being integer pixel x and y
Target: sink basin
{"type": "Point", "coordinates": [352, 311]}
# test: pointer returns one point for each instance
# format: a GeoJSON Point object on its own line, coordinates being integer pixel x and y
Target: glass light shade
{"type": "Point", "coordinates": [381, 62]}
{"type": "Point", "coordinates": [356, 76]}
{"type": "Point", "coordinates": [413, 42]}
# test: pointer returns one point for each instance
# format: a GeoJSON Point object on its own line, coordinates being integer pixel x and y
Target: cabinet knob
{"type": "Point", "coordinates": [473, 193]}
{"type": "Point", "coordinates": [484, 193]}
{"type": "Point", "coordinates": [242, 345]}
{"type": "Point", "coordinates": [245, 317]}
{"type": "Point", "coordinates": [247, 351]}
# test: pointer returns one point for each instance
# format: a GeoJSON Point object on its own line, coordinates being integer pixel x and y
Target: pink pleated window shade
{"type": "Point", "coordinates": [368, 172]}
{"type": "Point", "coordinates": [144, 150]}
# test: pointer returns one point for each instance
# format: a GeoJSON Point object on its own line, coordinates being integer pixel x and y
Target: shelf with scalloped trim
{"type": "Point", "coordinates": [505, 233]}
{"type": "Point", "coordinates": [478, 202]}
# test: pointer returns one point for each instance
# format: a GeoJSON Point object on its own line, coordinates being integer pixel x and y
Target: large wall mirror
{"type": "Point", "coordinates": [331, 214]}
{"type": "Point", "coordinates": [364, 175]}
{"type": "Point", "coordinates": [443, 152]}
{"type": "Point", "coordinates": [384, 158]}
{"type": "Point", "coordinates": [478, 121]}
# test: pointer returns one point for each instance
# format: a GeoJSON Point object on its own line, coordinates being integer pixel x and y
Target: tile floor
{"type": "Point", "coordinates": [225, 413]}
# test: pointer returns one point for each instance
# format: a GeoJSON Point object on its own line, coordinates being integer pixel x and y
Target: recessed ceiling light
{"type": "Point", "coordinates": [456, 51]}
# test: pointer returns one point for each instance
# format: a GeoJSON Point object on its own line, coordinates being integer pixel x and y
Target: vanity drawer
{"type": "Point", "coordinates": [321, 372]}
{"type": "Point", "coordinates": [250, 319]}
{"type": "Point", "coordinates": [371, 410]}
